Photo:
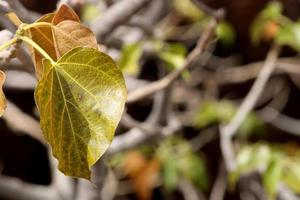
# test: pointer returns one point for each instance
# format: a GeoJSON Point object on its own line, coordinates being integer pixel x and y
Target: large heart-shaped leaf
{"type": "Point", "coordinates": [80, 99]}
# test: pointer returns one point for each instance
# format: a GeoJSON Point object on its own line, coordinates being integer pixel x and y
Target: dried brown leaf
{"type": "Point", "coordinates": [65, 13]}
{"type": "Point", "coordinates": [43, 36]}
{"type": "Point", "coordinates": [70, 34]}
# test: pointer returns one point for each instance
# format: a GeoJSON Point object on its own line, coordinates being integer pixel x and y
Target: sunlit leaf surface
{"type": "Point", "coordinates": [80, 100]}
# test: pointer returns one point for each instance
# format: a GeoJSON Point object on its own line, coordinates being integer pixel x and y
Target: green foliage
{"type": "Point", "coordinates": [80, 99]}
{"type": "Point", "coordinates": [273, 162]}
{"type": "Point", "coordinates": [89, 12]}
{"type": "Point", "coordinates": [173, 55]}
{"type": "Point", "coordinates": [289, 35]}
{"type": "Point", "coordinates": [212, 112]}
{"type": "Point", "coordinates": [272, 175]}
{"type": "Point", "coordinates": [130, 56]}
{"type": "Point", "coordinates": [271, 13]}
{"type": "Point", "coordinates": [225, 33]}
{"type": "Point", "coordinates": [270, 24]}
{"type": "Point", "coordinates": [291, 174]}
{"type": "Point", "coordinates": [187, 9]}
{"type": "Point", "coordinates": [251, 158]}
{"type": "Point", "coordinates": [178, 160]}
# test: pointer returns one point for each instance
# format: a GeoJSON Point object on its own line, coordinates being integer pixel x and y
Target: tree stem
{"type": "Point", "coordinates": [8, 43]}
{"type": "Point", "coordinates": [37, 24]}
{"type": "Point", "coordinates": [37, 47]}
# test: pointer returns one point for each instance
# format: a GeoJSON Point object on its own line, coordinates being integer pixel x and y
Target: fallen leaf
{"type": "Point", "coordinates": [80, 100]}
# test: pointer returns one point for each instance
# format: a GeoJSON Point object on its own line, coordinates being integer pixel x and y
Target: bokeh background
{"type": "Point", "coordinates": [169, 143]}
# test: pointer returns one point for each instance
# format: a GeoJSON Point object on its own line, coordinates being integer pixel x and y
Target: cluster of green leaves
{"type": "Point", "coordinates": [81, 92]}
{"type": "Point", "coordinates": [275, 163]}
{"type": "Point", "coordinates": [215, 112]}
{"type": "Point", "coordinates": [179, 161]}
{"type": "Point", "coordinates": [271, 24]}
{"type": "Point", "coordinates": [172, 54]}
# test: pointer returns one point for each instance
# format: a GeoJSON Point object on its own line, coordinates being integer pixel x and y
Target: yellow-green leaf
{"type": "Point", "coordinates": [129, 61]}
{"type": "Point", "coordinates": [80, 99]}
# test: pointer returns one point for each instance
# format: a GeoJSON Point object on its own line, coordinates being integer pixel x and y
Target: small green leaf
{"type": "Point", "coordinates": [250, 158]}
{"type": "Point", "coordinates": [129, 61]}
{"type": "Point", "coordinates": [80, 99]}
{"type": "Point", "coordinates": [291, 176]}
{"type": "Point", "coordinates": [174, 55]}
{"type": "Point", "coordinates": [272, 176]}
{"type": "Point", "coordinates": [89, 12]}
{"type": "Point", "coordinates": [212, 112]}
{"type": "Point", "coordinates": [289, 34]}
{"type": "Point", "coordinates": [188, 9]}
{"type": "Point", "coordinates": [272, 12]}
{"type": "Point", "coordinates": [170, 174]}
{"type": "Point", "coordinates": [179, 160]}
{"type": "Point", "coordinates": [193, 168]}
{"type": "Point", "coordinates": [225, 32]}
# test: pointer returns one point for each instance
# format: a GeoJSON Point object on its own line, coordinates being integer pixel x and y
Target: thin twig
{"type": "Point", "coordinates": [116, 15]}
{"type": "Point", "coordinates": [219, 186]}
{"type": "Point", "coordinates": [228, 131]}
{"type": "Point", "coordinates": [189, 191]}
{"type": "Point", "coordinates": [217, 14]}
{"type": "Point", "coordinates": [153, 87]}
{"type": "Point", "coordinates": [17, 7]}
{"type": "Point", "coordinates": [281, 121]}
{"type": "Point", "coordinates": [21, 121]}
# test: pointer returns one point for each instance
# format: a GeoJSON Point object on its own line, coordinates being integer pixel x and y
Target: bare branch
{"type": "Point", "coordinates": [20, 121]}
{"type": "Point", "coordinates": [189, 191]}
{"type": "Point", "coordinates": [14, 189]}
{"type": "Point", "coordinates": [220, 184]}
{"type": "Point", "coordinates": [136, 136]}
{"type": "Point", "coordinates": [17, 7]}
{"type": "Point", "coordinates": [228, 131]}
{"type": "Point", "coordinates": [116, 15]}
{"type": "Point", "coordinates": [153, 87]}
{"type": "Point", "coordinates": [217, 14]}
{"type": "Point", "coordinates": [281, 121]}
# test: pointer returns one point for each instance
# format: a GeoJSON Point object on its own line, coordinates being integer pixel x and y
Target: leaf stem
{"type": "Point", "coordinates": [8, 43]}
{"type": "Point", "coordinates": [38, 48]}
{"type": "Point", "coordinates": [37, 24]}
